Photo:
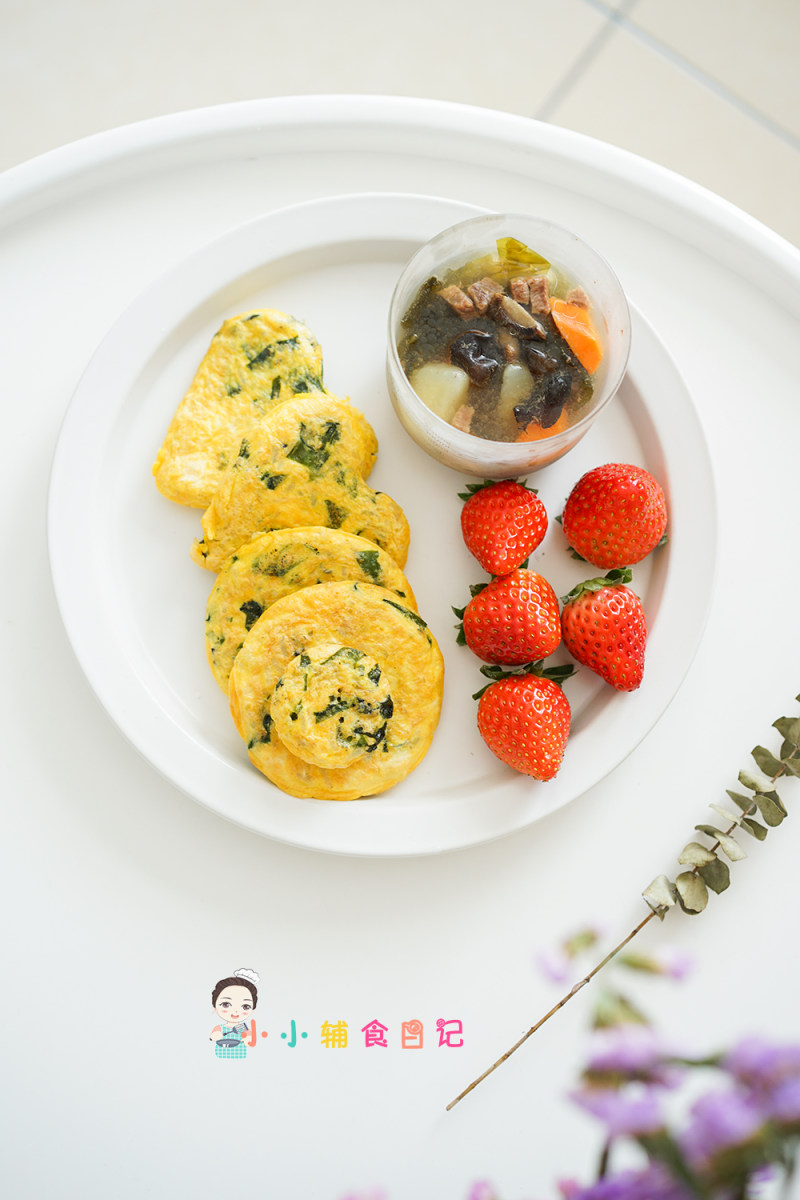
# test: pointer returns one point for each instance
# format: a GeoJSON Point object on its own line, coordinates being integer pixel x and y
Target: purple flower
{"type": "Point", "coordinates": [667, 960]}
{"type": "Point", "coordinates": [653, 1183]}
{"type": "Point", "coordinates": [481, 1191]}
{"type": "Point", "coordinates": [372, 1194]}
{"type": "Point", "coordinates": [568, 1188]}
{"type": "Point", "coordinates": [761, 1064]}
{"type": "Point", "coordinates": [628, 1049]}
{"type": "Point", "coordinates": [720, 1120]}
{"type": "Point", "coordinates": [674, 962]}
{"type": "Point", "coordinates": [633, 1051]}
{"type": "Point", "coordinates": [783, 1103]}
{"type": "Point", "coordinates": [616, 1187]}
{"type": "Point", "coordinates": [555, 964]}
{"type": "Point", "coordinates": [625, 1112]}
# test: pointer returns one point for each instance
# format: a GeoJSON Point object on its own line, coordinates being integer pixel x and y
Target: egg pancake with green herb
{"type": "Point", "coordinates": [255, 361]}
{"type": "Point", "coordinates": [305, 465]}
{"type": "Point", "coordinates": [337, 691]}
{"type": "Point", "coordinates": [277, 563]}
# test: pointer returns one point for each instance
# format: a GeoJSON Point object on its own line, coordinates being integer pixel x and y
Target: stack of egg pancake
{"type": "Point", "coordinates": [334, 680]}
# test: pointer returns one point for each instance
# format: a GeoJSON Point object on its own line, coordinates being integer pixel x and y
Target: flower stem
{"type": "Point", "coordinates": [605, 1157]}
{"type": "Point", "coordinates": [577, 987]}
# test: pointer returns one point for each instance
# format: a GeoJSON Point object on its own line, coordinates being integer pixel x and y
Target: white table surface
{"type": "Point", "coordinates": [125, 900]}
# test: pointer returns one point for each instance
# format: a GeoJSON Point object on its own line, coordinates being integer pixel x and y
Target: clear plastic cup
{"type": "Point", "coordinates": [578, 262]}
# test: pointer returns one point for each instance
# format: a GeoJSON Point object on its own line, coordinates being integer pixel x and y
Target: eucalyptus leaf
{"type": "Point", "coordinates": [788, 728]}
{"type": "Point", "coordinates": [640, 962]}
{"type": "Point", "coordinates": [735, 818]}
{"type": "Point", "coordinates": [660, 895]}
{"type": "Point", "coordinates": [710, 831]}
{"type": "Point", "coordinates": [766, 761]}
{"type": "Point", "coordinates": [754, 828]}
{"type": "Point", "coordinates": [580, 942]}
{"type": "Point", "coordinates": [717, 874]}
{"type": "Point", "coordinates": [614, 1009]}
{"type": "Point", "coordinates": [773, 795]}
{"type": "Point", "coordinates": [692, 892]}
{"type": "Point", "coordinates": [745, 803]}
{"type": "Point", "coordinates": [695, 855]}
{"type": "Point", "coordinates": [731, 848]}
{"type": "Point", "coordinates": [755, 781]}
{"type": "Point", "coordinates": [792, 765]}
{"type": "Point", "coordinates": [771, 808]}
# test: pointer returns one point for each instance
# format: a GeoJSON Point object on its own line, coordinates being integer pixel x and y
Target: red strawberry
{"type": "Point", "coordinates": [502, 524]}
{"type": "Point", "coordinates": [525, 720]}
{"type": "Point", "coordinates": [615, 515]}
{"type": "Point", "coordinates": [513, 619]}
{"type": "Point", "coordinates": [604, 628]}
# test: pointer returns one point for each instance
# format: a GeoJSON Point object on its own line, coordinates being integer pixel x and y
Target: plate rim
{"type": "Point", "coordinates": [41, 177]}
{"type": "Point", "coordinates": [61, 569]}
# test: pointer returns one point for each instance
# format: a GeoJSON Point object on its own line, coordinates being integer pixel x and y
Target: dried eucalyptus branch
{"type": "Point", "coordinates": [689, 890]}
{"type": "Point", "coordinates": [708, 870]}
{"type": "Point", "coordinates": [573, 990]}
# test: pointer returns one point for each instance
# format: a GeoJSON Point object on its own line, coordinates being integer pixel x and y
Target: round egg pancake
{"type": "Point", "coordinates": [255, 361]}
{"type": "Point", "coordinates": [305, 465]}
{"type": "Point", "coordinates": [337, 691]}
{"type": "Point", "coordinates": [277, 563]}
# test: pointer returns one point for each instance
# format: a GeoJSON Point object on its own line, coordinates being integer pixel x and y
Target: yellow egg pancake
{"type": "Point", "coordinates": [304, 466]}
{"type": "Point", "coordinates": [337, 691]}
{"type": "Point", "coordinates": [255, 361]}
{"type": "Point", "coordinates": [277, 563]}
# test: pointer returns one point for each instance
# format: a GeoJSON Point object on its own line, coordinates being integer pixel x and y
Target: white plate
{"type": "Point", "coordinates": [134, 604]}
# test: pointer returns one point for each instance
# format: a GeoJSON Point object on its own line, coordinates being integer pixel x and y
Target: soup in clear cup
{"type": "Point", "coordinates": [508, 336]}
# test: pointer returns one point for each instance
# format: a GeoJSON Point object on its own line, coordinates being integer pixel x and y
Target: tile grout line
{"type": "Point", "coordinates": [561, 89]}
{"type": "Point", "coordinates": [618, 19]}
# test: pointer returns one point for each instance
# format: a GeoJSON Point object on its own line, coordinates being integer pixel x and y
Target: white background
{"type": "Point", "coordinates": [125, 901]}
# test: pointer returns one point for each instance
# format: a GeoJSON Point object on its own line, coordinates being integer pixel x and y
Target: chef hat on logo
{"type": "Point", "coordinates": [247, 975]}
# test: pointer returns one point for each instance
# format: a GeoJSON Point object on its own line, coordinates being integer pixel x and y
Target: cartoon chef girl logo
{"type": "Point", "coordinates": [234, 1000]}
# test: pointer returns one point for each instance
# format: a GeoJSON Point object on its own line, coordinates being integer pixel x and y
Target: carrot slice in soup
{"type": "Point", "coordinates": [575, 326]}
{"type": "Point", "coordinates": [534, 431]}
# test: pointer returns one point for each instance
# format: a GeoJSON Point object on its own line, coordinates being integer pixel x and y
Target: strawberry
{"type": "Point", "coordinates": [513, 619]}
{"type": "Point", "coordinates": [524, 720]}
{"type": "Point", "coordinates": [604, 628]}
{"type": "Point", "coordinates": [502, 524]}
{"type": "Point", "coordinates": [615, 515]}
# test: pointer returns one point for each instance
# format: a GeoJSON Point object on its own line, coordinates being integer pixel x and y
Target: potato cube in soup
{"type": "Point", "coordinates": [442, 387]}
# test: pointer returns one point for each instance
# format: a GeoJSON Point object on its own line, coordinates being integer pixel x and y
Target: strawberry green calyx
{"type": "Point", "coordinates": [556, 674]}
{"type": "Point", "coordinates": [474, 488]}
{"type": "Point", "coordinates": [474, 589]}
{"type": "Point", "coordinates": [614, 578]}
